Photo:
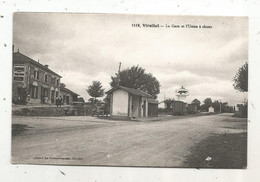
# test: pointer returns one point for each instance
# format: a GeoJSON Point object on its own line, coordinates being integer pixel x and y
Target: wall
{"type": "Point", "coordinates": [23, 83]}
{"type": "Point", "coordinates": [152, 110]}
{"type": "Point", "coordinates": [182, 98]}
{"type": "Point", "coordinates": [135, 106]}
{"type": "Point", "coordinates": [62, 93]}
{"type": "Point", "coordinates": [72, 97]}
{"type": "Point", "coordinates": [120, 103]}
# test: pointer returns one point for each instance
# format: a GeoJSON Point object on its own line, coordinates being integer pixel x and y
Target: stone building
{"type": "Point", "coordinates": [41, 84]}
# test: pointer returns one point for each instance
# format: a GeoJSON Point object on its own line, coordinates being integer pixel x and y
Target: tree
{"type": "Point", "coordinates": [95, 90]}
{"type": "Point", "coordinates": [224, 106]}
{"type": "Point", "coordinates": [203, 108]}
{"type": "Point", "coordinates": [168, 103]}
{"type": "Point", "coordinates": [93, 100]}
{"type": "Point", "coordinates": [241, 78]}
{"type": "Point", "coordinates": [135, 77]}
{"type": "Point", "coordinates": [216, 106]}
{"type": "Point", "coordinates": [62, 85]}
{"type": "Point", "coordinates": [196, 102]}
{"type": "Point", "coordinates": [207, 103]}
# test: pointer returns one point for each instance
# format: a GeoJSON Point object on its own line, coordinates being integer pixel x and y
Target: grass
{"type": "Point", "coordinates": [223, 151]}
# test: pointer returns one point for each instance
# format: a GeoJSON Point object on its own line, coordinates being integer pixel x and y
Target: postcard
{"type": "Point", "coordinates": [130, 90]}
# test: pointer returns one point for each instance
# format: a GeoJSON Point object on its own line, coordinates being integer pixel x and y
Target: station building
{"type": "Point", "coordinates": [131, 103]}
{"type": "Point", "coordinates": [40, 82]}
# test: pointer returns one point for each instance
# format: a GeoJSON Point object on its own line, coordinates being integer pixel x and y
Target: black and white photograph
{"type": "Point", "coordinates": [128, 90]}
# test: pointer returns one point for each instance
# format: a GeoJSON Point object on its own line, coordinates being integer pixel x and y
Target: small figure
{"type": "Point", "coordinates": [28, 99]}
{"type": "Point", "coordinates": [45, 99]}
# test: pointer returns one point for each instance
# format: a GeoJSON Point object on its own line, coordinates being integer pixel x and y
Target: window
{"type": "Point", "coordinates": [34, 92]}
{"type": "Point", "coordinates": [19, 68]}
{"type": "Point", "coordinates": [46, 78]}
{"type": "Point", "coordinates": [36, 74]}
{"type": "Point", "coordinates": [19, 72]}
{"type": "Point", "coordinates": [58, 82]}
{"type": "Point", "coordinates": [53, 80]}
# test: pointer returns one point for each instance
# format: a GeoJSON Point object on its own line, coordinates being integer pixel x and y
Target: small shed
{"type": "Point", "coordinates": [128, 102]}
{"type": "Point", "coordinates": [152, 108]}
{"type": "Point", "coordinates": [178, 107]}
{"type": "Point", "coordinates": [211, 109]}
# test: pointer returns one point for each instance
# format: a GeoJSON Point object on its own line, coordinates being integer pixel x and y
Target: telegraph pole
{"type": "Point", "coordinates": [119, 67]}
{"type": "Point", "coordinates": [220, 106]}
{"type": "Point", "coordinates": [118, 77]}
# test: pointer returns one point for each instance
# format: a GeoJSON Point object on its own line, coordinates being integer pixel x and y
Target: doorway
{"type": "Point", "coordinates": [144, 108]}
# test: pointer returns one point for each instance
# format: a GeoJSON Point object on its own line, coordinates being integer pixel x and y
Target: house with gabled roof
{"type": "Point", "coordinates": [131, 103]}
{"type": "Point", "coordinates": [68, 96]}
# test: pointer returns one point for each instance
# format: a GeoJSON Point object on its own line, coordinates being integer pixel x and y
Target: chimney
{"type": "Point", "coordinates": [47, 66]}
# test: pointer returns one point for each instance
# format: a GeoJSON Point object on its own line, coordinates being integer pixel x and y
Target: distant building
{"type": "Point", "coordinates": [211, 109]}
{"type": "Point", "coordinates": [162, 105]}
{"type": "Point", "coordinates": [41, 83]}
{"type": "Point", "coordinates": [68, 96]}
{"type": "Point", "coordinates": [179, 107]}
{"type": "Point", "coordinates": [152, 108]}
{"type": "Point", "coordinates": [80, 99]}
{"type": "Point", "coordinates": [129, 102]}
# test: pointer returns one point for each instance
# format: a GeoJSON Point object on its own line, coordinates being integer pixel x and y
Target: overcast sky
{"type": "Point", "coordinates": [82, 48]}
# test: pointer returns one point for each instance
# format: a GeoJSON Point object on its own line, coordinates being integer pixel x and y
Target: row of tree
{"type": "Point", "coordinates": [217, 105]}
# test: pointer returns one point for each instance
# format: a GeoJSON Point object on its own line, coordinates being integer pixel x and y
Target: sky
{"type": "Point", "coordinates": [87, 47]}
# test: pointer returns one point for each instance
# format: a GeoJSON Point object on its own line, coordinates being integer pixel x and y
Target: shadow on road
{"type": "Point", "coordinates": [18, 129]}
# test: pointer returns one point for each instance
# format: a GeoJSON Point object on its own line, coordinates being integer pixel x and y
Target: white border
{"type": "Point", "coordinates": [179, 7]}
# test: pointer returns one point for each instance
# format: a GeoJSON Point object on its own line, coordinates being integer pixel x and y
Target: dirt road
{"type": "Point", "coordinates": [91, 141]}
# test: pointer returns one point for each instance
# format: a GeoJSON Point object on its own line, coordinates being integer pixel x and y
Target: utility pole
{"type": "Point", "coordinates": [119, 67]}
{"type": "Point", "coordinates": [118, 77]}
{"type": "Point", "coordinates": [220, 106]}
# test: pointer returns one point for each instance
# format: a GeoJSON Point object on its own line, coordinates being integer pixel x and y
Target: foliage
{"type": "Point", "coordinates": [196, 102]}
{"type": "Point", "coordinates": [241, 79]}
{"type": "Point", "coordinates": [168, 103]}
{"type": "Point", "coordinates": [228, 150]}
{"type": "Point", "coordinates": [243, 109]}
{"type": "Point", "coordinates": [135, 77]}
{"type": "Point", "coordinates": [80, 99]}
{"type": "Point", "coordinates": [95, 90]}
{"type": "Point", "coordinates": [203, 108]}
{"type": "Point", "coordinates": [93, 100]}
{"type": "Point", "coordinates": [207, 103]}
{"type": "Point", "coordinates": [216, 106]}
{"type": "Point", "coordinates": [225, 108]}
